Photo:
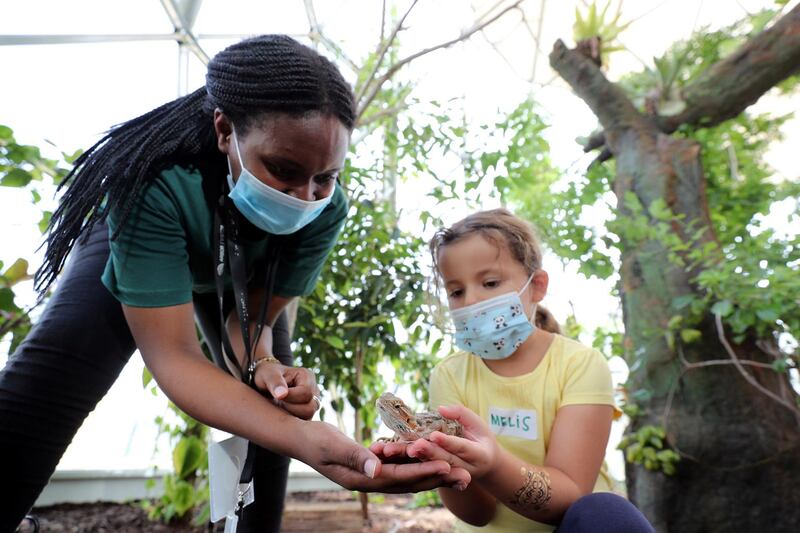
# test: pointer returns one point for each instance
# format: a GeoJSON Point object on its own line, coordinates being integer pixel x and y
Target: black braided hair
{"type": "Point", "coordinates": [257, 76]}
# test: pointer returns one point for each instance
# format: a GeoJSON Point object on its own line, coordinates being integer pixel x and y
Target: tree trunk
{"type": "Point", "coordinates": [740, 449]}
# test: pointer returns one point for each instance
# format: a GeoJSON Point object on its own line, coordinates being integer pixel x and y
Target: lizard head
{"type": "Point", "coordinates": [396, 414]}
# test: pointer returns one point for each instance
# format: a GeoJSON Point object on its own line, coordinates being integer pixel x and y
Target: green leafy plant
{"type": "Point", "coordinates": [371, 287]}
{"type": "Point", "coordinates": [186, 490]}
{"type": "Point", "coordinates": [23, 166]}
{"type": "Point", "coordinates": [748, 275]}
{"type": "Point", "coordinates": [427, 498]}
{"type": "Point", "coordinates": [647, 447]}
{"type": "Point", "coordinates": [599, 22]}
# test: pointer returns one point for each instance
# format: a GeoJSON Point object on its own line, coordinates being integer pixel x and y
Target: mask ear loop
{"type": "Point", "coordinates": [527, 283]}
{"type": "Point", "coordinates": [532, 318]}
{"type": "Point", "coordinates": [236, 144]}
{"type": "Point", "coordinates": [228, 159]}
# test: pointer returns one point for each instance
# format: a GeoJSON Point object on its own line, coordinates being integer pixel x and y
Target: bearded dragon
{"type": "Point", "coordinates": [408, 425]}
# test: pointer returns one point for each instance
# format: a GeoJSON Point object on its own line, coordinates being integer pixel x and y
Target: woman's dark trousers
{"type": "Point", "coordinates": [67, 363]}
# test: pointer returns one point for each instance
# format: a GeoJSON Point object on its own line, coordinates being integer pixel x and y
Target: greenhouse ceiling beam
{"type": "Point", "coordinates": [18, 40]}
{"type": "Point", "coordinates": [182, 14]}
{"type": "Point", "coordinates": [12, 40]}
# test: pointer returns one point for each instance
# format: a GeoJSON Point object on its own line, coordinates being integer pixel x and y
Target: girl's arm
{"type": "Point", "coordinates": [574, 457]}
{"type": "Point", "coordinates": [469, 503]}
{"type": "Point", "coordinates": [473, 505]}
{"type": "Point", "coordinates": [539, 492]}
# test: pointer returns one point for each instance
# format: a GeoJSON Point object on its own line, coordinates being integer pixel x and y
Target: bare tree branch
{"type": "Point", "coordinates": [607, 101]}
{"type": "Point", "coordinates": [537, 39]}
{"type": "Point", "coordinates": [376, 86]}
{"type": "Point", "coordinates": [502, 56]}
{"type": "Point", "coordinates": [732, 84]}
{"type": "Point", "coordinates": [686, 367]}
{"type": "Point", "coordinates": [596, 140]}
{"type": "Point", "coordinates": [383, 47]}
{"type": "Point", "coordinates": [486, 13]}
{"type": "Point", "coordinates": [604, 155]}
{"type": "Point", "coordinates": [722, 92]}
{"type": "Point", "coordinates": [317, 37]}
{"type": "Point", "coordinates": [387, 112]}
{"type": "Point", "coordinates": [746, 375]}
{"type": "Point", "coordinates": [383, 20]}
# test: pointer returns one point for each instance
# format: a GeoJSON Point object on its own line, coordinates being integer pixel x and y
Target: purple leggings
{"type": "Point", "coordinates": [603, 512]}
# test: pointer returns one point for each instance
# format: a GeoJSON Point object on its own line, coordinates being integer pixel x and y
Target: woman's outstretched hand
{"type": "Point", "coordinates": [354, 467]}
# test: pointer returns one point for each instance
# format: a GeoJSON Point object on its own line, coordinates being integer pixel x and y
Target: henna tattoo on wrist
{"type": "Point", "coordinates": [535, 491]}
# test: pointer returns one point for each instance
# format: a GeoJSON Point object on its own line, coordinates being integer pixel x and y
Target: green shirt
{"type": "Point", "coordinates": [163, 253]}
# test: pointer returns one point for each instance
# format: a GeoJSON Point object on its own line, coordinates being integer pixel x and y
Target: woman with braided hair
{"type": "Point", "coordinates": [215, 209]}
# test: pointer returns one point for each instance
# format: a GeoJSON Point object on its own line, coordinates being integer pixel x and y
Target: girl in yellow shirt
{"type": "Point", "coordinates": [536, 407]}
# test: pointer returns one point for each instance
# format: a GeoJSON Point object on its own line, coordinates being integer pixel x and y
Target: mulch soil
{"type": "Point", "coordinates": [388, 514]}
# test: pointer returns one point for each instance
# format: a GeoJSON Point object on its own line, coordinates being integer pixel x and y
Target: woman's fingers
{"type": "Point", "coordinates": [269, 377]}
{"type": "Point", "coordinates": [302, 385]}
{"type": "Point", "coordinates": [291, 386]}
{"type": "Point", "coordinates": [413, 477]}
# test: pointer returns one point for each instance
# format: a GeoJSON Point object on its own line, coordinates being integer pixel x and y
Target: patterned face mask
{"type": "Point", "coordinates": [493, 328]}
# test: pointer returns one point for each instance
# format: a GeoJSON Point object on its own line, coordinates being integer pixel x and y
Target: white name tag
{"type": "Point", "coordinates": [520, 423]}
{"type": "Point", "coordinates": [226, 458]}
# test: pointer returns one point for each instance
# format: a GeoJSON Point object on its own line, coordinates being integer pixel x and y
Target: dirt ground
{"type": "Point", "coordinates": [388, 514]}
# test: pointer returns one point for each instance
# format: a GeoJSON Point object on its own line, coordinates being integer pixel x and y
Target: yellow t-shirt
{"type": "Point", "coordinates": [521, 410]}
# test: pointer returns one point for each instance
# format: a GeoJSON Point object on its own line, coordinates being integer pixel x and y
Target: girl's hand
{"type": "Point", "coordinates": [476, 451]}
{"type": "Point", "coordinates": [292, 388]}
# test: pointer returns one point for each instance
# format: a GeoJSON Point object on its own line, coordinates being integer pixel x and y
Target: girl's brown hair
{"type": "Point", "coordinates": [501, 228]}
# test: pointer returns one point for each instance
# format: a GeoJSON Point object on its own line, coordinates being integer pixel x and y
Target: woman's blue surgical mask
{"type": "Point", "coordinates": [270, 209]}
{"type": "Point", "coordinates": [493, 328]}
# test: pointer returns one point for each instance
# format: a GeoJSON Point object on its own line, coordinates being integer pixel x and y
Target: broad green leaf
{"type": "Point", "coordinates": [16, 177]}
{"type": "Point", "coordinates": [187, 456]}
{"type": "Point", "coordinates": [336, 342]}
{"type": "Point", "coordinates": [147, 377]}
{"type": "Point", "coordinates": [44, 222]}
{"type": "Point", "coordinates": [16, 272]}
{"type": "Point", "coordinates": [682, 301]}
{"type": "Point", "coordinates": [378, 320]}
{"type": "Point", "coordinates": [674, 322]}
{"type": "Point", "coordinates": [722, 308]}
{"type": "Point", "coordinates": [7, 300]}
{"type": "Point", "coordinates": [182, 498]}
{"type": "Point", "coordinates": [690, 335]}
{"type": "Point", "coordinates": [767, 315]}
{"type": "Point", "coordinates": [355, 324]}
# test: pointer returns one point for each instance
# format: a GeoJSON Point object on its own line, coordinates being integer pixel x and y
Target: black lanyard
{"type": "Point", "coordinates": [227, 245]}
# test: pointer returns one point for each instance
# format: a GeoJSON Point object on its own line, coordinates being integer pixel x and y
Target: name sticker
{"type": "Point", "coordinates": [520, 423]}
